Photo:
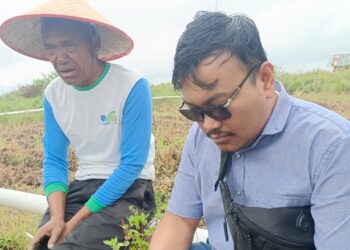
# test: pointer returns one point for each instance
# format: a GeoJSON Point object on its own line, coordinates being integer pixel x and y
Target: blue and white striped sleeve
{"type": "Point", "coordinates": [55, 164]}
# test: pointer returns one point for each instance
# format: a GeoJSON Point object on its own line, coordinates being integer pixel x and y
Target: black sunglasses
{"type": "Point", "coordinates": [217, 112]}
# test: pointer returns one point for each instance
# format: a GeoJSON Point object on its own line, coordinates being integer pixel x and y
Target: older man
{"type": "Point", "coordinates": [282, 164]}
{"type": "Point", "coordinates": [103, 110]}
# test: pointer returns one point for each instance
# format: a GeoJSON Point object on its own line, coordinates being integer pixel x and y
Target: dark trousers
{"type": "Point", "coordinates": [105, 224]}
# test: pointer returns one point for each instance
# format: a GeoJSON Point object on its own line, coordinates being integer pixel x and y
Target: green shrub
{"type": "Point", "coordinates": [342, 87]}
{"type": "Point", "coordinates": [163, 89]}
{"type": "Point", "coordinates": [317, 81]}
{"type": "Point", "coordinates": [139, 229]}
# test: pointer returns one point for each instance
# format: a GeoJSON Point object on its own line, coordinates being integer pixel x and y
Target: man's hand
{"type": "Point", "coordinates": [57, 230]}
{"type": "Point", "coordinates": [56, 225]}
{"type": "Point", "coordinates": [67, 229]}
{"type": "Point", "coordinates": [54, 229]}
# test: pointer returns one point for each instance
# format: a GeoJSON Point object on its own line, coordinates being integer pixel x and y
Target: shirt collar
{"type": "Point", "coordinates": [280, 113]}
{"type": "Point", "coordinates": [278, 117]}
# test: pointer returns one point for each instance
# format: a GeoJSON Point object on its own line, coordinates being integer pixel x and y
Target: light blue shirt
{"type": "Point", "coordinates": [301, 158]}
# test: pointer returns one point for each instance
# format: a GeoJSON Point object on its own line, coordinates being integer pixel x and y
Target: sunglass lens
{"type": "Point", "coordinates": [193, 115]}
{"type": "Point", "coordinates": [218, 113]}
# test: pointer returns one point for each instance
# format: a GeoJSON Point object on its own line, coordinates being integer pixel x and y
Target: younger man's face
{"type": "Point", "coordinates": [249, 109]}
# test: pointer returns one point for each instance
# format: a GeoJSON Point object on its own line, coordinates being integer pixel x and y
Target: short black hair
{"type": "Point", "coordinates": [88, 31]}
{"type": "Point", "coordinates": [213, 33]}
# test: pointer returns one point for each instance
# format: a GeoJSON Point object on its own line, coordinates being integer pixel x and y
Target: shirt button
{"type": "Point", "coordinates": [237, 155]}
{"type": "Point", "coordinates": [238, 192]}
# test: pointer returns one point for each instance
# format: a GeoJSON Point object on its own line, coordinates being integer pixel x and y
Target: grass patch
{"type": "Point", "coordinates": [164, 89]}
{"type": "Point", "coordinates": [318, 81]}
{"type": "Point", "coordinates": [13, 227]}
{"type": "Point", "coordinates": [14, 103]}
{"type": "Point", "coordinates": [26, 118]}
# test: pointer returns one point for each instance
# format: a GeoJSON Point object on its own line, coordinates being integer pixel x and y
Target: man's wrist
{"type": "Point", "coordinates": [55, 187]}
{"type": "Point", "coordinates": [57, 217]}
{"type": "Point", "coordinates": [57, 204]}
{"type": "Point", "coordinates": [93, 205]}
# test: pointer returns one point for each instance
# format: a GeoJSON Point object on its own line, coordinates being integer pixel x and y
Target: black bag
{"type": "Point", "coordinates": [255, 228]}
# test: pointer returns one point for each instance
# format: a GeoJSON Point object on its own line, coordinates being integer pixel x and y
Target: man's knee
{"type": "Point", "coordinates": [92, 232]}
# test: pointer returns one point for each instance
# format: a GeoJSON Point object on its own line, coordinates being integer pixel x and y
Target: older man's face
{"type": "Point", "coordinates": [72, 56]}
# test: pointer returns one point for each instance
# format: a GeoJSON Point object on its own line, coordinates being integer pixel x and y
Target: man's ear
{"type": "Point", "coordinates": [96, 43]}
{"type": "Point", "coordinates": [266, 76]}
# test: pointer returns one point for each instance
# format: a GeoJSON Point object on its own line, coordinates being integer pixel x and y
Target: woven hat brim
{"type": "Point", "coordinates": [23, 34]}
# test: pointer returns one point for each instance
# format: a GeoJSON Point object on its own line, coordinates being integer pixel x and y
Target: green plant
{"type": "Point", "coordinates": [7, 244]}
{"type": "Point", "coordinates": [137, 232]}
{"type": "Point", "coordinates": [139, 229]}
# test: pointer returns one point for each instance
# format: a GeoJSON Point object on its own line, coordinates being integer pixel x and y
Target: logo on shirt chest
{"type": "Point", "coordinates": [110, 118]}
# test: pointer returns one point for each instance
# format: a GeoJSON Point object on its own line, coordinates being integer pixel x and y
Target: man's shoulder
{"type": "Point", "coordinates": [54, 86]}
{"type": "Point", "coordinates": [125, 72]}
{"type": "Point", "coordinates": [314, 116]}
{"type": "Point", "coordinates": [122, 79]}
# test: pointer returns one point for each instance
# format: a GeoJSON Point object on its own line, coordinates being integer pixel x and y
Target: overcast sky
{"type": "Point", "coordinates": [298, 35]}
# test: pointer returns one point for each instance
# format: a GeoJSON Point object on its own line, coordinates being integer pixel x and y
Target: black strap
{"type": "Point", "coordinates": [223, 168]}
{"type": "Point", "coordinates": [225, 164]}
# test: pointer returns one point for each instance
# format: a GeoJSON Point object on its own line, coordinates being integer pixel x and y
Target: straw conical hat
{"type": "Point", "coordinates": [23, 33]}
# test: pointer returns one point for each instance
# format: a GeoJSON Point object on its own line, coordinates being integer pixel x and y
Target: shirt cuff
{"type": "Point", "coordinates": [93, 205]}
{"type": "Point", "coordinates": [55, 187]}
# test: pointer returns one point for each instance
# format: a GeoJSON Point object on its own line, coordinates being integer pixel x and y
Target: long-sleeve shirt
{"type": "Point", "coordinates": [108, 124]}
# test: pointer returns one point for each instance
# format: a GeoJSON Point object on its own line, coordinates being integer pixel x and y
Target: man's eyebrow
{"type": "Point", "coordinates": [216, 96]}
{"type": "Point", "coordinates": [205, 85]}
{"type": "Point", "coordinates": [207, 101]}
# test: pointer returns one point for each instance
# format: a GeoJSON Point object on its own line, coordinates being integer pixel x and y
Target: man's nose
{"type": "Point", "coordinates": [61, 56]}
{"type": "Point", "coordinates": [209, 123]}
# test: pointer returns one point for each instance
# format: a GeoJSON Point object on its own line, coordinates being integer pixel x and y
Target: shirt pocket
{"type": "Point", "coordinates": [274, 200]}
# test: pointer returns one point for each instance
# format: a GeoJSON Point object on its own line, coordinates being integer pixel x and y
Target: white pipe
{"type": "Point", "coordinates": [40, 109]}
{"type": "Point", "coordinates": [21, 112]}
{"type": "Point", "coordinates": [21, 200]}
{"type": "Point", "coordinates": [37, 204]}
